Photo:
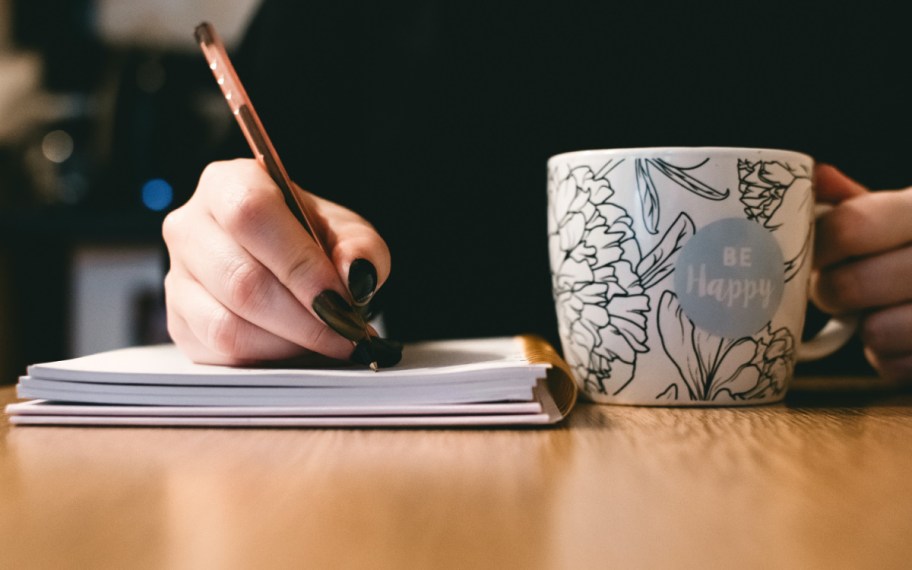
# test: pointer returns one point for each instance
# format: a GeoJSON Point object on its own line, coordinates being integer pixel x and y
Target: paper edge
{"type": "Point", "coordinates": [557, 393]}
{"type": "Point", "coordinates": [46, 408]}
{"type": "Point", "coordinates": [558, 389]}
{"type": "Point", "coordinates": [312, 421]}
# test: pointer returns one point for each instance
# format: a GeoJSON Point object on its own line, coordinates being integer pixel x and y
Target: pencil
{"type": "Point", "coordinates": [260, 143]}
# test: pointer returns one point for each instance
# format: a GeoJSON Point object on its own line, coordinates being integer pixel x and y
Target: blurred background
{"type": "Point", "coordinates": [106, 109]}
{"type": "Point", "coordinates": [108, 113]}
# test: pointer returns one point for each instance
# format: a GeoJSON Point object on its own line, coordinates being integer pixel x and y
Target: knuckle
{"type": "Point", "coordinates": [896, 369]}
{"type": "Point", "coordinates": [317, 339]}
{"type": "Point", "coordinates": [302, 269]}
{"type": "Point", "coordinates": [246, 285]}
{"type": "Point", "coordinates": [841, 288]}
{"type": "Point", "coordinates": [850, 220]}
{"type": "Point", "coordinates": [172, 226]}
{"type": "Point", "coordinates": [225, 333]}
{"type": "Point", "coordinates": [243, 193]}
{"type": "Point", "coordinates": [873, 333]}
{"type": "Point", "coordinates": [248, 212]}
{"type": "Point", "coordinates": [840, 228]}
{"type": "Point", "coordinates": [175, 325]}
{"type": "Point", "coordinates": [168, 283]}
{"type": "Point", "coordinates": [212, 173]}
{"type": "Point", "coordinates": [209, 171]}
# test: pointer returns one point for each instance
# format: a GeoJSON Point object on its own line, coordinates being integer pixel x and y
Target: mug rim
{"type": "Point", "coordinates": [654, 150]}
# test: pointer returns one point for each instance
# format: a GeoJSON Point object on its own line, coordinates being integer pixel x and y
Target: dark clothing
{"type": "Point", "coordinates": [434, 120]}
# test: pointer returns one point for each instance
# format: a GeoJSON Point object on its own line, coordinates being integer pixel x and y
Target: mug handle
{"type": "Point", "coordinates": [831, 337]}
{"type": "Point", "coordinates": [838, 330]}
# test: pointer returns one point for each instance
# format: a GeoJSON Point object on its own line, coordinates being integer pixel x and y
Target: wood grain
{"type": "Point", "coordinates": [824, 480]}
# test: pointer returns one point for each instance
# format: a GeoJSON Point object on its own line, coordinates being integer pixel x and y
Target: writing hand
{"type": "Point", "coordinates": [248, 284]}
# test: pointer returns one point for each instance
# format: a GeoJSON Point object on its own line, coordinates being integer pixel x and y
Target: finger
{"type": "Point", "coordinates": [358, 252]}
{"type": "Point", "coordinates": [251, 209]}
{"type": "Point", "coordinates": [209, 333]}
{"type": "Point", "coordinates": [888, 332]}
{"type": "Point", "coordinates": [833, 187]}
{"type": "Point", "coordinates": [894, 368]}
{"type": "Point", "coordinates": [192, 347]}
{"type": "Point", "coordinates": [250, 292]}
{"type": "Point", "coordinates": [864, 225]}
{"type": "Point", "coordinates": [875, 281]}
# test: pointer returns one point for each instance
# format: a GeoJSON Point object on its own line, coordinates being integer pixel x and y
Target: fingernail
{"type": "Point", "coordinates": [339, 315]}
{"type": "Point", "coordinates": [362, 281]}
{"type": "Point", "coordinates": [383, 351]}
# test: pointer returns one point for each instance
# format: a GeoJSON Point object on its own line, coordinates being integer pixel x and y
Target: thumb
{"type": "Point", "coordinates": [833, 187]}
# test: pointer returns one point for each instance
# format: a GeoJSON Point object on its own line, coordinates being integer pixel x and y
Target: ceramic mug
{"type": "Point", "coordinates": [680, 275]}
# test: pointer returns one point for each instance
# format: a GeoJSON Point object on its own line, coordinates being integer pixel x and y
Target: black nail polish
{"type": "Point", "coordinates": [362, 281]}
{"type": "Point", "coordinates": [339, 315]}
{"type": "Point", "coordinates": [383, 351]}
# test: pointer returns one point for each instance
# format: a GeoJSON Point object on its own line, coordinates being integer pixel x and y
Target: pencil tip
{"type": "Point", "coordinates": [377, 352]}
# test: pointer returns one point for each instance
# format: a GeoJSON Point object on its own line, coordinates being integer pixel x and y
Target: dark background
{"type": "Point", "coordinates": [135, 110]}
{"type": "Point", "coordinates": [430, 87]}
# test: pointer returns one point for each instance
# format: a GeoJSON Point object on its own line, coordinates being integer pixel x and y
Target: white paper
{"type": "Point", "coordinates": [461, 382]}
{"type": "Point", "coordinates": [181, 395]}
{"type": "Point", "coordinates": [476, 360]}
{"type": "Point", "coordinates": [541, 410]}
{"type": "Point", "coordinates": [43, 408]}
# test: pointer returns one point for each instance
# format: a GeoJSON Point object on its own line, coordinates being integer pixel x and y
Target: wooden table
{"type": "Point", "coordinates": [823, 481]}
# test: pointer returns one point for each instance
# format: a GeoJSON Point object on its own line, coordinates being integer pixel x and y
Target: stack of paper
{"type": "Point", "coordinates": [517, 380]}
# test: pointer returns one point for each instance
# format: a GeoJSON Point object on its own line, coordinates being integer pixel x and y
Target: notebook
{"type": "Point", "coordinates": [495, 381]}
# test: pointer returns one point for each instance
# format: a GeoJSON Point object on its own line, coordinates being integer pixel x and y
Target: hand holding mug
{"type": "Point", "coordinates": [863, 263]}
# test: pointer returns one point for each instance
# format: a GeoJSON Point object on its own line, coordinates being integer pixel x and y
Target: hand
{"type": "Point", "coordinates": [863, 263]}
{"type": "Point", "coordinates": [248, 284]}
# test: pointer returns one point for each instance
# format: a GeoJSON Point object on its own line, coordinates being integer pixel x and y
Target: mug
{"type": "Point", "coordinates": [680, 275]}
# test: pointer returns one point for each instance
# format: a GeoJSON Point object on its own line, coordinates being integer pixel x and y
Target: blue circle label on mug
{"type": "Point", "coordinates": [729, 277]}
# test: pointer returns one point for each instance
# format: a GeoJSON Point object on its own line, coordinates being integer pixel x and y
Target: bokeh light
{"type": "Point", "coordinates": [157, 194]}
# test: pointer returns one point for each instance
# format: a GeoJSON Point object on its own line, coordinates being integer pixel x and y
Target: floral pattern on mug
{"type": "Point", "coordinates": [600, 277]}
{"type": "Point", "coordinates": [765, 193]}
{"type": "Point", "coordinates": [710, 366]}
{"type": "Point", "coordinates": [764, 189]}
{"type": "Point", "coordinates": [680, 175]}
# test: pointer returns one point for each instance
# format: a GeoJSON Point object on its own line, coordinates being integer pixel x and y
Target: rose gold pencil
{"type": "Point", "coordinates": [265, 153]}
